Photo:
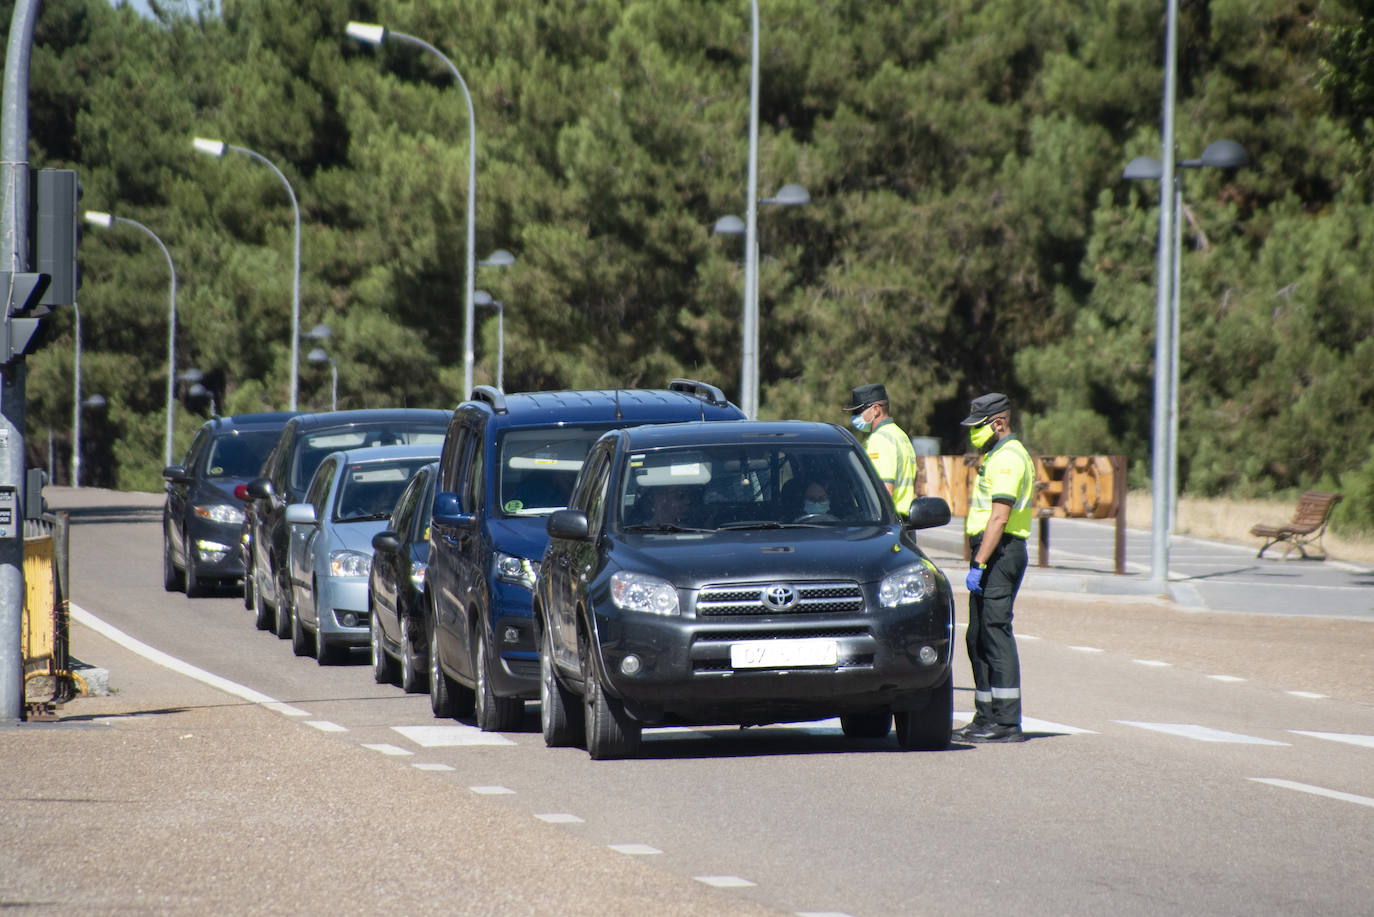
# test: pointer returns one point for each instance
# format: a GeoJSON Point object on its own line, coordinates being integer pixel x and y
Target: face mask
{"type": "Point", "coordinates": [858, 423]}
{"type": "Point", "coordinates": [811, 507]}
{"type": "Point", "coordinates": [980, 435]}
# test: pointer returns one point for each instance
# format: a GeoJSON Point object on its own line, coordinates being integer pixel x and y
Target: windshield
{"type": "Point", "coordinates": [537, 468]}
{"type": "Point", "coordinates": [369, 490]}
{"type": "Point", "coordinates": [705, 488]}
{"type": "Point", "coordinates": [312, 449]}
{"type": "Point", "coordinates": [238, 454]}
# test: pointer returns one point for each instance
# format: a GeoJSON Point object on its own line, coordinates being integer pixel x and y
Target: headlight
{"type": "Point", "coordinates": [349, 563]}
{"type": "Point", "coordinates": [906, 587]}
{"type": "Point", "coordinates": [518, 571]}
{"type": "Point", "coordinates": [221, 512]}
{"type": "Point", "coordinates": [636, 592]}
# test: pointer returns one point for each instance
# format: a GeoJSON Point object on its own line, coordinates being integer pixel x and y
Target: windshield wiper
{"type": "Point", "coordinates": [754, 524]}
{"type": "Point", "coordinates": [663, 527]}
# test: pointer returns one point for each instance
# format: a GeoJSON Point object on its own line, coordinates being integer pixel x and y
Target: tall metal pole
{"type": "Point", "coordinates": [500, 345]}
{"type": "Point", "coordinates": [1163, 442]}
{"type": "Point", "coordinates": [749, 396]}
{"type": "Point", "coordinates": [1174, 356]}
{"type": "Point", "coordinates": [14, 257]}
{"type": "Point", "coordinates": [76, 400]}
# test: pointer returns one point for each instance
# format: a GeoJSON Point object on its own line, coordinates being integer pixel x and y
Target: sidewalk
{"type": "Point", "coordinates": [1203, 574]}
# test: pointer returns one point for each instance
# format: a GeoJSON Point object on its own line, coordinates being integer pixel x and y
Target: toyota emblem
{"type": "Point", "coordinates": [779, 597]}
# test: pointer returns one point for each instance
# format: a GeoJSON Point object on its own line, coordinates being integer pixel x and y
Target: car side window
{"type": "Point", "coordinates": [405, 507]}
{"type": "Point", "coordinates": [320, 486]}
{"type": "Point", "coordinates": [197, 449]}
{"type": "Point", "coordinates": [470, 495]}
{"type": "Point", "coordinates": [597, 482]}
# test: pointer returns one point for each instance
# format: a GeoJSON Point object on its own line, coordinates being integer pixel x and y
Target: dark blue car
{"type": "Point", "coordinates": [508, 462]}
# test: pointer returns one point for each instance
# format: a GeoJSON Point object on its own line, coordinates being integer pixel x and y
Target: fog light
{"type": "Point", "coordinates": [631, 665]}
{"type": "Point", "coordinates": [928, 655]}
{"type": "Point", "coordinates": [350, 619]}
{"type": "Point", "coordinates": [512, 635]}
{"type": "Point", "coordinates": [211, 552]}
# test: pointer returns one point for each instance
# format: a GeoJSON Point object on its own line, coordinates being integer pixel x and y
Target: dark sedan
{"type": "Point", "coordinates": [202, 518]}
{"type": "Point", "coordinates": [396, 584]}
{"type": "Point", "coordinates": [739, 573]}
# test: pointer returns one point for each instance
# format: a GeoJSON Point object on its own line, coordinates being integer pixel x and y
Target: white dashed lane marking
{"type": "Point", "coordinates": [559, 818]}
{"type": "Point", "coordinates": [1152, 662]}
{"type": "Point", "coordinates": [326, 726]}
{"type": "Point", "coordinates": [1226, 678]}
{"type": "Point", "coordinates": [1366, 741]}
{"type": "Point", "coordinates": [1316, 790]}
{"type": "Point", "coordinates": [450, 736]}
{"type": "Point", "coordinates": [384, 748]}
{"type": "Point", "coordinates": [1310, 695]}
{"type": "Point", "coordinates": [725, 881]}
{"type": "Point", "coordinates": [1200, 733]}
{"type": "Point", "coordinates": [1085, 649]}
{"type": "Point", "coordinates": [634, 849]}
{"type": "Point", "coordinates": [492, 790]}
{"type": "Point", "coordinates": [1032, 725]}
{"type": "Point", "coordinates": [431, 766]}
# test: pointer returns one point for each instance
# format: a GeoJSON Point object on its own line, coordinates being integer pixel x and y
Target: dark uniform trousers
{"type": "Point", "coordinates": [991, 645]}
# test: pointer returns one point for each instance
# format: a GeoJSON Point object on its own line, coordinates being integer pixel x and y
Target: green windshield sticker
{"type": "Point", "coordinates": [514, 506]}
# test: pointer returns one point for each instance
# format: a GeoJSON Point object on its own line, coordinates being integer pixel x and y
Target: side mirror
{"type": "Point", "coordinates": [260, 489]}
{"type": "Point", "coordinates": [301, 514]}
{"type": "Point", "coordinates": [568, 523]}
{"type": "Point", "coordinates": [386, 542]}
{"type": "Point", "coordinates": [447, 511]}
{"type": "Point", "coordinates": [176, 474]}
{"type": "Point", "coordinates": [927, 513]}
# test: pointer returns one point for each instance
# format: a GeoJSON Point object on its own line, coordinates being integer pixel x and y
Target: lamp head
{"type": "Point", "coordinates": [481, 298]}
{"type": "Point", "coordinates": [209, 147]}
{"type": "Point", "coordinates": [790, 195]}
{"type": "Point", "coordinates": [366, 32]}
{"type": "Point", "coordinates": [1225, 154]}
{"type": "Point", "coordinates": [729, 225]}
{"type": "Point", "coordinates": [498, 258]}
{"type": "Point", "coordinates": [1141, 168]}
{"type": "Point", "coordinates": [97, 218]}
{"type": "Point", "coordinates": [317, 356]}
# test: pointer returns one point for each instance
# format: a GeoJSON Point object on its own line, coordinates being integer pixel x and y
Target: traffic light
{"type": "Point", "coordinates": [21, 333]}
{"type": "Point", "coordinates": [55, 234]}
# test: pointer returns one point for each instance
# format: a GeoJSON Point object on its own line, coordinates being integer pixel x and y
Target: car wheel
{"type": "Point", "coordinates": [560, 711]}
{"type": "Point", "coordinates": [264, 612]}
{"type": "Point", "coordinates": [875, 725]}
{"type": "Point", "coordinates": [247, 588]}
{"type": "Point", "coordinates": [928, 729]}
{"type": "Point", "coordinates": [383, 666]}
{"type": "Point", "coordinates": [195, 586]}
{"type": "Point", "coordinates": [171, 576]}
{"type": "Point", "coordinates": [446, 697]}
{"type": "Point", "coordinates": [412, 665]}
{"type": "Point", "coordinates": [611, 732]}
{"type": "Point", "coordinates": [326, 653]}
{"type": "Point", "coordinates": [493, 713]}
{"type": "Point", "coordinates": [284, 604]}
{"type": "Point", "coordinates": [301, 644]}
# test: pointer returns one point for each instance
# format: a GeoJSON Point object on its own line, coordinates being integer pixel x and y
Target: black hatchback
{"type": "Point", "coordinates": [202, 517]}
{"type": "Point", "coordinates": [742, 573]}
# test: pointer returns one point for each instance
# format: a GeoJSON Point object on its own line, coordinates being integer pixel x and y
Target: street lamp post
{"type": "Point", "coordinates": [749, 352]}
{"type": "Point", "coordinates": [217, 149]}
{"type": "Point", "coordinates": [1221, 154]}
{"type": "Point", "coordinates": [105, 220]}
{"type": "Point", "coordinates": [373, 34]}
{"type": "Point", "coordinates": [319, 356]}
{"type": "Point", "coordinates": [483, 298]}
{"type": "Point", "coordinates": [76, 398]}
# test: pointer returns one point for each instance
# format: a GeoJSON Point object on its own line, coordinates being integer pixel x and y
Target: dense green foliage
{"type": "Point", "coordinates": [969, 229]}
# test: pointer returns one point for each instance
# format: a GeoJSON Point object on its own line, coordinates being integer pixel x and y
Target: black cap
{"type": "Point", "coordinates": [984, 408]}
{"type": "Point", "coordinates": [865, 395]}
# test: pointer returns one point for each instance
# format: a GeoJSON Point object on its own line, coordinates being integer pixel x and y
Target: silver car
{"type": "Point", "coordinates": [329, 548]}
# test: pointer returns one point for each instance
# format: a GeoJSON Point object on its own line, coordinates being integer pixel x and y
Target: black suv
{"type": "Point", "coordinates": [507, 462]}
{"type": "Point", "coordinates": [202, 517]}
{"type": "Point", "coordinates": [304, 442]}
{"type": "Point", "coordinates": [739, 573]}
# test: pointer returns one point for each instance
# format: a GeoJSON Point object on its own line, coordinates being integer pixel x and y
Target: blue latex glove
{"type": "Point", "coordinates": [974, 580]}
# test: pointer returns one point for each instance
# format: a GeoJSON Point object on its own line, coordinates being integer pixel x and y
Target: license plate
{"type": "Point", "coordinates": [783, 654]}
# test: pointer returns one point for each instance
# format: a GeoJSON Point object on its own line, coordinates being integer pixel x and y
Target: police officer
{"type": "Point", "coordinates": [889, 449]}
{"type": "Point", "coordinates": [998, 523]}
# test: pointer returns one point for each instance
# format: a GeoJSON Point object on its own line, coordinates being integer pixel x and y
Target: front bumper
{"type": "Point", "coordinates": [215, 548]}
{"type": "Point", "coordinates": [684, 671]}
{"type": "Point", "coordinates": [341, 599]}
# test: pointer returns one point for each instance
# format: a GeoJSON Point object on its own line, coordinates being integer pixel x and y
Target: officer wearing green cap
{"type": "Point", "coordinates": [998, 523]}
{"type": "Point", "coordinates": [889, 449]}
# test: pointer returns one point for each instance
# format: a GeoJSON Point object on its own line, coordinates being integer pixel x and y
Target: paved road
{"type": "Point", "coordinates": [1182, 761]}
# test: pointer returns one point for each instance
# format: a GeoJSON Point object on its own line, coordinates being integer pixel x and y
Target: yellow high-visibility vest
{"type": "Point", "coordinates": [1007, 474]}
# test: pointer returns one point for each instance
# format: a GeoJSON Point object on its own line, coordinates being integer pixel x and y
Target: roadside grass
{"type": "Point", "coordinates": [1231, 521]}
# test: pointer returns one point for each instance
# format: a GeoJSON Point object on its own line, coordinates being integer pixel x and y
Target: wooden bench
{"type": "Point", "coordinates": [1309, 522]}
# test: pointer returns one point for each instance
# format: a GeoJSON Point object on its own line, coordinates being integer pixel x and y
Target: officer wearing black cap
{"type": "Point", "coordinates": [998, 523]}
{"type": "Point", "coordinates": [889, 449]}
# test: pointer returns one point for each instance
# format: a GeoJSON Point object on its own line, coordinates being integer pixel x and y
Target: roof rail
{"type": "Point", "coordinates": [708, 393]}
{"type": "Point", "coordinates": [492, 396]}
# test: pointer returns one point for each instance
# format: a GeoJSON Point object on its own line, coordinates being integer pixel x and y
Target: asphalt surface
{"type": "Point", "coordinates": [1184, 759]}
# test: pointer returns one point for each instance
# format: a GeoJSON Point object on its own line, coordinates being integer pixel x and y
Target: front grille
{"type": "Point", "coordinates": [731, 599]}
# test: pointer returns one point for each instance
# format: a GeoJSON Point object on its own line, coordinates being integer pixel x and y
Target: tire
{"type": "Point", "coordinates": [611, 732]}
{"type": "Point", "coordinates": [264, 612]}
{"type": "Point", "coordinates": [492, 713]}
{"type": "Point", "coordinates": [560, 711]}
{"type": "Point", "coordinates": [446, 698]}
{"type": "Point", "coordinates": [383, 666]}
{"type": "Point", "coordinates": [928, 729]}
{"type": "Point", "coordinates": [326, 653]}
{"type": "Point", "coordinates": [301, 644]}
{"type": "Point", "coordinates": [285, 602]}
{"type": "Point", "coordinates": [413, 665]}
{"type": "Point", "coordinates": [874, 725]}
{"type": "Point", "coordinates": [195, 586]}
{"type": "Point", "coordinates": [171, 576]}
